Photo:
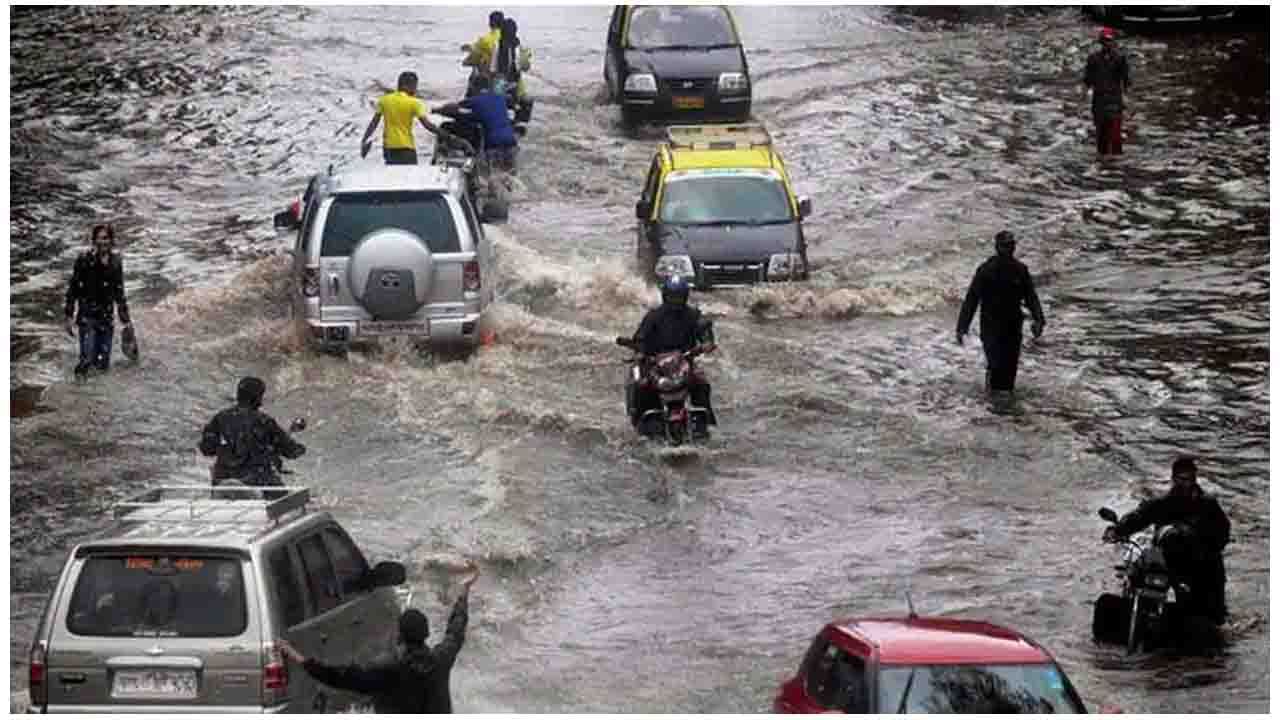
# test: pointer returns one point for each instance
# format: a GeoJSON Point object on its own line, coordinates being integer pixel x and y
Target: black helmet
{"type": "Point", "coordinates": [675, 290]}
{"type": "Point", "coordinates": [495, 19]}
{"type": "Point", "coordinates": [414, 628]}
{"type": "Point", "coordinates": [250, 391]}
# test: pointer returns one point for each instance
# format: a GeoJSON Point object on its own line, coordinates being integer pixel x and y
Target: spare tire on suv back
{"type": "Point", "coordinates": [390, 273]}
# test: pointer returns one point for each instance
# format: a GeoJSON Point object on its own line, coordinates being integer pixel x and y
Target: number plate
{"type": "Point", "coordinates": [682, 102]}
{"type": "Point", "coordinates": [156, 684]}
{"type": "Point", "coordinates": [379, 329]}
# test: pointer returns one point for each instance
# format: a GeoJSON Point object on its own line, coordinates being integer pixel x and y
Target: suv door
{"type": "Point", "coordinates": [375, 612]}
{"type": "Point", "coordinates": [289, 606]}
{"type": "Point", "coordinates": [327, 633]}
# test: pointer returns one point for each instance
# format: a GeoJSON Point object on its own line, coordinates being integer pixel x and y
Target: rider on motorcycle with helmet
{"type": "Point", "coordinates": [676, 326]}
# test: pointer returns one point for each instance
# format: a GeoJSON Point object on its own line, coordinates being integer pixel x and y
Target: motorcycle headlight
{"type": "Point", "coordinates": [666, 383]}
{"type": "Point", "coordinates": [673, 265]}
{"type": "Point", "coordinates": [1160, 582]}
{"type": "Point", "coordinates": [733, 82]}
{"type": "Point", "coordinates": [641, 83]}
{"type": "Point", "coordinates": [785, 265]}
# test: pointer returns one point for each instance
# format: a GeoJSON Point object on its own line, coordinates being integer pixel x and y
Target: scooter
{"type": "Point", "coordinates": [488, 180]}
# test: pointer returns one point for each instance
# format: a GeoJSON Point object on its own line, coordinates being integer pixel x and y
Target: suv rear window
{"type": "Point", "coordinates": [355, 215]}
{"type": "Point", "coordinates": [158, 595]}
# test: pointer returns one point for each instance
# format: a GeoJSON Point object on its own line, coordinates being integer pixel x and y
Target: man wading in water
{"type": "Point", "coordinates": [1107, 74]}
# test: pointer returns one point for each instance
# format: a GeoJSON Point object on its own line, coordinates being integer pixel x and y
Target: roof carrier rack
{"type": "Point", "coordinates": [742, 136]}
{"type": "Point", "coordinates": [221, 505]}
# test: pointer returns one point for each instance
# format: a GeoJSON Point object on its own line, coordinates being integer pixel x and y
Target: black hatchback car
{"type": "Point", "coordinates": [664, 61]}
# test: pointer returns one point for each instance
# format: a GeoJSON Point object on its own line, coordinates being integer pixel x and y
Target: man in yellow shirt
{"type": "Point", "coordinates": [482, 55]}
{"type": "Point", "coordinates": [401, 108]}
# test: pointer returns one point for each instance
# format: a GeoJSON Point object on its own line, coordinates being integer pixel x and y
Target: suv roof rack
{"type": "Point", "coordinates": [743, 136]}
{"type": "Point", "coordinates": [204, 504]}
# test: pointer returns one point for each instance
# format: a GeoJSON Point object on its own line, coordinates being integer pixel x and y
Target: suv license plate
{"type": "Point", "coordinates": [683, 102]}
{"type": "Point", "coordinates": [159, 684]}
{"type": "Point", "coordinates": [377, 329]}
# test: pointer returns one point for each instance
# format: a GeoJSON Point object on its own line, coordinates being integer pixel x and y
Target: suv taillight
{"type": "Point", "coordinates": [471, 276]}
{"type": "Point", "coordinates": [275, 676]}
{"type": "Point", "coordinates": [38, 674]}
{"type": "Point", "coordinates": [311, 282]}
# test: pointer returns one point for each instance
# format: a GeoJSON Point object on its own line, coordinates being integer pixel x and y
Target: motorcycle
{"type": "Point", "coordinates": [488, 175]}
{"type": "Point", "coordinates": [668, 375]}
{"type": "Point", "coordinates": [1151, 610]}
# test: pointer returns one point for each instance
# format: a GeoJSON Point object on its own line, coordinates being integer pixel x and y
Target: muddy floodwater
{"type": "Point", "coordinates": [856, 457]}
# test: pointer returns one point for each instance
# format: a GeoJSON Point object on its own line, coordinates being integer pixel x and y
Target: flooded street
{"type": "Point", "coordinates": [856, 458]}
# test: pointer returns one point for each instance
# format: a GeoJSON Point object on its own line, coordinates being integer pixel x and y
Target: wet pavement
{"type": "Point", "coordinates": [856, 457]}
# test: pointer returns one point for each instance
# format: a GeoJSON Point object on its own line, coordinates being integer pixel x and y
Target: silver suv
{"type": "Point", "coordinates": [179, 609]}
{"type": "Point", "coordinates": [395, 251]}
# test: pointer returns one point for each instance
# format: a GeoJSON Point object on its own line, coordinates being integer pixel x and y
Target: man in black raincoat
{"type": "Point", "coordinates": [417, 680]}
{"type": "Point", "coordinates": [246, 441]}
{"type": "Point", "coordinates": [1001, 286]}
{"type": "Point", "coordinates": [1107, 74]}
{"type": "Point", "coordinates": [1188, 504]}
{"type": "Point", "coordinates": [675, 325]}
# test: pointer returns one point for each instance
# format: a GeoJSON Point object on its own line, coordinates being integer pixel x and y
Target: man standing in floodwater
{"type": "Point", "coordinates": [1001, 285]}
{"type": "Point", "coordinates": [94, 295]}
{"type": "Point", "coordinates": [1107, 74]}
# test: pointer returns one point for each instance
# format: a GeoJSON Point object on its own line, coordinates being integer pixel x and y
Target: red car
{"type": "Point", "coordinates": [926, 665]}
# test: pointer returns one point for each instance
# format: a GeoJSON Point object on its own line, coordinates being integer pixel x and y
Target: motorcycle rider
{"type": "Point", "coordinates": [1001, 285]}
{"type": "Point", "coordinates": [489, 109]}
{"type": "Point", "coordinates": [675, 326]}
{"type": "Point", "coordinates": [1188, 504]}
{"type": "Point", "coordinates": [246, 441]}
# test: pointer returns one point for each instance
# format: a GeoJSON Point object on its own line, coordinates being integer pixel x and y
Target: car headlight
{"type": "Point", "coordinates": [673, 265]}
{"type": "Point", "coordinates": [733, 82]}
{"type": "Point", "coordinates": [785, 265]}
{"type": "Point", "coordinates": [641, 83]}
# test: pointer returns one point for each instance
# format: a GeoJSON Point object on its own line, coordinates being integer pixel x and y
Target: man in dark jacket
{"type": "Point", "coordinates": [246, 441]}
{"type": "Point", "coordinates": [417, 680]}
{"type": "Point", "coordinates": [1001, 285]}
{"type": "Point", "coordinates": [1107, 74]}
{"type": "Point", "coordinates": [1188, 504]}
{"type": "Point", "coordinates": [95, 292]}
{"type": "Point", "coordinates": [675, 326]}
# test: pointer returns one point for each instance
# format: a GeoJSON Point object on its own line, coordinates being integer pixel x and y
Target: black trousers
{"type": "Point", "coordinates": [1003, 350]}
{"type": "Point", "coordinates": [400, 156]}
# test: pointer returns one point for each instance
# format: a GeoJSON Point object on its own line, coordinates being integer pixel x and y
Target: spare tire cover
{"type": "Point", "coordinates": [390, 273]}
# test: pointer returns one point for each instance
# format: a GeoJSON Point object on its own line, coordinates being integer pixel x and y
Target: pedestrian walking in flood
{"type": "Point", "coordinates": [1002, 285]}
{"type": "Point", "coordinates": [1106, 74]}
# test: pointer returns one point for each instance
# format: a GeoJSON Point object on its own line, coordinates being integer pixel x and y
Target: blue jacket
{"type": "Point", "coordinates": [491, 110]}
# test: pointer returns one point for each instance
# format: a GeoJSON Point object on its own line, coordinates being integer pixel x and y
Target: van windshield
{"type": "Point", "coordinates": [158, 595]}
{"type": "Point", "coordinates": [355, 215]}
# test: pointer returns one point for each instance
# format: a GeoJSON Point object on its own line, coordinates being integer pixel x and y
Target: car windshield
{"type": "Point", "coordinates": [714, 198]}
{"type": "Point", "coordinates": [355, 215]}
{"type": "Point", "coordinates": [158, 595]}
{"type": "Point", "coordinates": [976, 689]}
{"type": "Point", "coordinates": [695, 26]}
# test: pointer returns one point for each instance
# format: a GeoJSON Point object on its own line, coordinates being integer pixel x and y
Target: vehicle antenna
{"type": "Point", "coordinates": [911, 608]}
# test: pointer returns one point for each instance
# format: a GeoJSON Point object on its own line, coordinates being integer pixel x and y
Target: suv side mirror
{"type": "Point", "coordinates": [806, 207]}
{"type": "Point", "coordinates": [1109, 515]}
{"type": "Point", "coordinates": [298, 425]}
{"type": "Point", "coordinates": [286, 220]}
{"type": "Point", "coordinates": [386, 574]}
{"type": "Point", "coordinates": [642, 210]}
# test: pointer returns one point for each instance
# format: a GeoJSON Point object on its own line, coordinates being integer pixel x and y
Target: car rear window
{"type": "Point", "coordinates": [353, 216]}
{"type": "Point", "coordinates": [158, 595]}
